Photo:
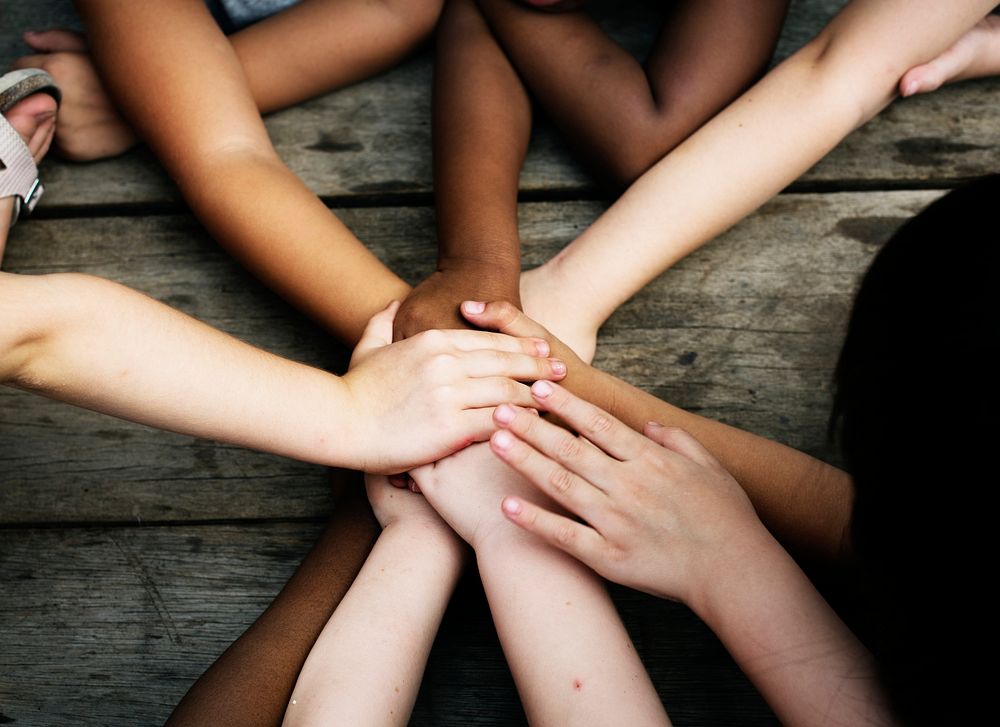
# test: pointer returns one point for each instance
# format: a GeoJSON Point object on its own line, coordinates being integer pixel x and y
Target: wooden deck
{"type": "Point", "coordinates": [130, 558]}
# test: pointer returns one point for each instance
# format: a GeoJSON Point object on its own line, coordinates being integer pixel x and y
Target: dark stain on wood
{"type": "Point", "coordinates": [869, 230]}
{"type": "Point", "coordinates": [687, 358]}
{"type": "Point", "coordinates": [922, 151]}
{"type": "Point", "coordinates": [332, 145]}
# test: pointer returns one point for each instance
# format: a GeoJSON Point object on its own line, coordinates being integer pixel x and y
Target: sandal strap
{"type": "Point", "coordinates": [18, 173]}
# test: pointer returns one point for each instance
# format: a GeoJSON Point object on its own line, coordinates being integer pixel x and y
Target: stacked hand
{"type": "Point", "coordinates": [661, 514]}
{"type": "Point", "coordinates": [421, 399]}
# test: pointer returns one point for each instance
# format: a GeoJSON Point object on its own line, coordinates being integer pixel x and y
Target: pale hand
{"type": "Point", "coordinates": [421, 399]}
{"type": "Point", "coordinates": [662, 515]}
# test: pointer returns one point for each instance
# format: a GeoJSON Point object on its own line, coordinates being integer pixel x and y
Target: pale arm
{"type": "Point", "coordinates": [102, 346]}
{"type": "Point", "coordinates": [570, 655]}
{"type": "Point", "coordinates": [366, 666]}
{"type": "Point", "coordinates": [661, 515]}
{"type": "Point", "coordinates": [752, 150]}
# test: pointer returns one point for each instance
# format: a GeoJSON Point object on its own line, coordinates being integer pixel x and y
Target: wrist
{"type": "Point", "coordinates": [498, 274]}
{"type": "Point", "coordinates": [749, 566]}
{"type": "Point", "coordinates": [428, 541]}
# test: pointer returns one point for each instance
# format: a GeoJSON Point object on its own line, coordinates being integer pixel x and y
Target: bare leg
{"type": "Point", "coordinates": [308, 49]}
{"type": "Point", "coordinates": [623, 116]}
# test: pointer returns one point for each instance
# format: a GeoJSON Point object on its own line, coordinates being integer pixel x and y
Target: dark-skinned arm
{"type": "Point", "coordinates": [482, 122]}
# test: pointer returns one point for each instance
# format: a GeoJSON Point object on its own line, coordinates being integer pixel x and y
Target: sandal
{"type": "Point", "coordinates": [18, 173]}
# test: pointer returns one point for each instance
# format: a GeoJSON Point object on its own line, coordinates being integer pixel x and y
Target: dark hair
{"type": "Point", "coordinates": [917, 404]}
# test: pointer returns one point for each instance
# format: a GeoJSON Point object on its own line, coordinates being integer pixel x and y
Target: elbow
{"type": "Point", "coordinates": [861, 81]}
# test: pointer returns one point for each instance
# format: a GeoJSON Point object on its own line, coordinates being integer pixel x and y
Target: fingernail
{"type": "Point", "coordinates": [542, 347]}
{"type": "Point", "coordinates": [504, 414]}
{"type": "Point", "coordinates": [558, 367]}
{"type": "Point", "coordinates": [503, 440]}
{"type": "Point", "coordinates": [654, 425]}
{"type": "Point", "coordinates": [511, 506]}
{"type": "Point", "coordinates": [910, 89]}
{"type": "Point", "coordinates": [541, 389]}
{"type": "Point", "coordinates": [474, 306]}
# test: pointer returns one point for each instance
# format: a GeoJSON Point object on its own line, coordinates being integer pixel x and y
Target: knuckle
{"type": "Point", "coordinates": [598, 423]}
{"type": "Point", "coordinates": [569, 447]}
{"type": "Point", "coordinates": [565, 534]}
{"type": "Point", "coordinates": [560, 480]}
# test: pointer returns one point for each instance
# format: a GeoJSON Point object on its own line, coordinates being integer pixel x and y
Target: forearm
{"type": "Point", "coordinates": [805, 502]}
{"type": "Point", "coordinates": [570, 655]}
{"type": "Point", "coordinates": [201, 120]}
{"type": "Point", "coordinates": [798, 653]}
{"type": "Point", "coordinates": [756, 146]}
{"type": "Point", "coordinates": [99, 345]}
{"type": "Point", "coordinates": [366, 666]}
{"type": "Point", "coordinates": [482, 123]}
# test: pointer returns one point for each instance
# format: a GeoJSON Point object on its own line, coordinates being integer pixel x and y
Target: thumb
{"type": "Point", "coordinates": [678, 440]}
{"type": "Point", "coordinates": [55, 40]}
{"type": "Point", "coordinates": [503, 317]}
{"type": "Point", "coordinates": [377, 334]}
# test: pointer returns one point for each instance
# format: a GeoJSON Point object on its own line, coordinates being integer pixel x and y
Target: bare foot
{"type": "Point", "coordinates": [90, 126]}
{"type": "Point", "coordinates": [539, 303]}
{"type": "Point", "coordinates": [974, 55]}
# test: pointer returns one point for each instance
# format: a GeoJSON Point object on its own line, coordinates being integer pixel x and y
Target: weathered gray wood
{"type": "Point", "coordinates": [111, 626]}
{"type": "Point", "coordinates": [746, 331]}
{"type": "Point", "coordinates": [374, 138]}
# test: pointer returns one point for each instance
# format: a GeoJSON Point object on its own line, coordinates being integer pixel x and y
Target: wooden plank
{"type": "Point", "coordinates": [373, 139]}
{"type": "Point", "coordinates": [746, 331]}
{"type": "Point", "coordinates": [111, 626]}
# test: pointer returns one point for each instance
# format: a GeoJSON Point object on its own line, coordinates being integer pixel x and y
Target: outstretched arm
{"type": "Point", "coordinates": [366, 666]}
{"type": "Point", "coordinates": [570, 655]}
{"type": "Point", "coordinates": [664, 516]}
{"type": "Point", "coordinates": [200, 118]}
{"type": "Point", "coordinates": [752, 150]}
{"type": "Point", "coordinates": [100, 345]}
{"type": "Point", "coordinates": [623, 116]}
{"type": "Point", "coordinates": [805, 502]}
{"type": "Point", "coordinates": [482, 121]}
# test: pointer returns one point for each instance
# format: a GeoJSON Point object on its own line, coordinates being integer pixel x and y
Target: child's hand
{"type": "Point", "coordinates": [396, 505]}
{"type": "Point", "coordinates": [435, 302]}
{"type": "Point", "coordinates": [419, 400]}
{"type": "Point", "coordinates": [466, 489]}
{"type": "Point", "coordinates": [663, 515]}
{"type": "Point", "coordinates": [510, 320]}
{"type": "Point", "coordinates": [90, 126]}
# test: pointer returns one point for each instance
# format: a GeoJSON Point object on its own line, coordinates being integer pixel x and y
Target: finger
{"type": "Point", "coordinates": [677, 440]}
{"type": "Point", "coordinates": [467, 340]}
{"type": "Point", "coordinates": [492, 391]}
{"type": "Point", "coordinates": [377, 333]}
{"type": "Point", "coordinates": [55, 40]}
{"type": "Point", "coordinates": [520, 366]}
{"type": "Point", "coordinates": [595, 424]}
{"type": "Point", "coordinates": [555, 443]}
{"type": "Point", "coordinates": [582, 542]}
{"type": "Point", "coordinates": [570, 490]}
{"type": "Point", "coordinates": [504, 317]}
